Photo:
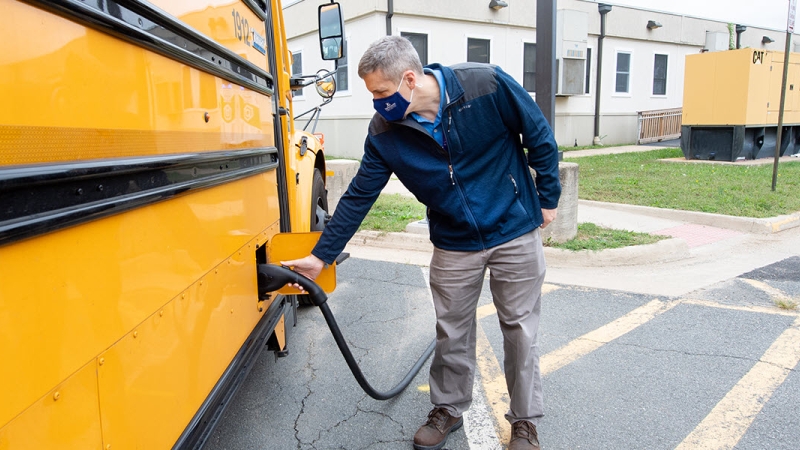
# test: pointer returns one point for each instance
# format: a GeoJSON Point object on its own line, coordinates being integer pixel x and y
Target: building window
{"type": "Point", "coordinates": [342, 80]}
{"type": "Point", "coordinates": [297, 69]}
{"type": "Point", "coordinates": [588, 70]}
{"type": "Point", "coordinates": [660, 75]}
{"type": "Point", "coordinates": [420, 43]}
{"type": "Point", "coordinates": [529, 68]}
{"type": "Point", "coordinates": [478, 50]}
{"type": "Point", "coordinates": [623, 72]}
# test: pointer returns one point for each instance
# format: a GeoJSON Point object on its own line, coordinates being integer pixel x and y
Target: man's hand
{"type": "Point", "coordinates": [309, 267]}
{"type": "Point", "coordinates": [549, 216]}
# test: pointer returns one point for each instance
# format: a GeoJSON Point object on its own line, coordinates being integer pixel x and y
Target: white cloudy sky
{"type": "Point", "coordinates": [762, 13]}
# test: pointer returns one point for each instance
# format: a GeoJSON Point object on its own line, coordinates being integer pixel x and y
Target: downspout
{"type": "Point", "coordinates": [739, 30]}
{"type": "Point", "coordinates": [603, 9]}
{"type": "Point", "coordinates": [389, 14]}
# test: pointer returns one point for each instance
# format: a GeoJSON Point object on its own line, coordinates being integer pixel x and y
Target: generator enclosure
{"type": "Point", "coordinates": [731, 101]}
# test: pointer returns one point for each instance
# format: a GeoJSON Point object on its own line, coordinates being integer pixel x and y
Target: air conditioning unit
{"type": "Point", "coordinates": [572, 30]}
{"type": "Point", "coordinates": [717, 41]}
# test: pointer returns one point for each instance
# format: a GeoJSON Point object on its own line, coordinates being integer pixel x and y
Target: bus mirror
{"type": "Point", "coordinates": [331, 31]}
{"type": "Point", "coordinates": [325, 84]}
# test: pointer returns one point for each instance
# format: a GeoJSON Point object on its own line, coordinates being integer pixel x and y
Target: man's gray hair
{"type": "Point", "coordinates": [392, 55]}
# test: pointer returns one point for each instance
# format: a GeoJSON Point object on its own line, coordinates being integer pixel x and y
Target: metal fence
{"type": "Point", "coordinates": [659, 125]}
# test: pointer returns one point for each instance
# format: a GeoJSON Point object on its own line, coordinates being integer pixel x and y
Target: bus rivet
{"type": "Point", "coordinates": [206, 116]}
{"type": "Point", "coordinates": [108, 447]}
{"type": "Point", "coordinates": [135, 334]}
{"type": "Point", "coordinates": [102, 361]}
{"type": "Point", "coordinates": [161, 313]}
{"type": "Point", "coordinates": [56, 395]}
{"type": "Point", "coordinates": [100, 187]}
{"type": "Point", "coordinates": [183, 295]}
{"type": "Point", "coordinates": [201, 282]}
{"type": "Point", "coordinates": [231, 311]}
{"type": "Point", "coordinates": [79, 191]}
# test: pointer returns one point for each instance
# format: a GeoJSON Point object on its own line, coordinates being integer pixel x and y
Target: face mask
{"type": "Point", "coordinates": [394, 106]}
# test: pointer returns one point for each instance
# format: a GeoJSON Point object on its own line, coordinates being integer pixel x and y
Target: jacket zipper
{"type": "Point", "coordinates": [449, 163]}
{"type": "Point", "coordinates": [511, 177]}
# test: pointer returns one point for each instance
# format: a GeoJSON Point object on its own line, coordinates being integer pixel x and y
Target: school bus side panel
{"type": "Point", "coordinates": [160, 297]}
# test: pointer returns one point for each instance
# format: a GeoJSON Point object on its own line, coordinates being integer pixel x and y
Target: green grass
{"type": "Point", "coordinates": [785, 303]}
{"type": "Point", "coordinates": [593, 237]}
{"type": "Point", "coordinates": [735, 189]}
{"type": "Point", "coordinates": [392, 212]}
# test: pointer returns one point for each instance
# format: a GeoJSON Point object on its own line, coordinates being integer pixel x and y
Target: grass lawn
{"type": "Point", "coordinates": [593, 237]}
{"type": "Point", "coordinates": [737, 190]}
{"type": "Point", "coordinates": [392, 212]}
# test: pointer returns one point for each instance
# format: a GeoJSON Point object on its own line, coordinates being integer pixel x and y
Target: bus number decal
{"type": "Point", "coordinates": [241, 28]}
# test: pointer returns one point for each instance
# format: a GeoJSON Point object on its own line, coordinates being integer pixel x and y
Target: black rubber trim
{"type": "Point", "coordinates": [37, 199]}
{"type": "Point", "coordinates": [147, 26]}
{"type": "Point", "coordinates": [259, 7]}
{"type": "Point", "coordinates": [202, 424]}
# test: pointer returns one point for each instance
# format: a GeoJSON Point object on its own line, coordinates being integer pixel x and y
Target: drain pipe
{"type": "Point", "coordinates": [739, 30]}
{"type": "Point", "coordinates": [389, 14]}
{"type": "Point", "coordinates": [603, 9]}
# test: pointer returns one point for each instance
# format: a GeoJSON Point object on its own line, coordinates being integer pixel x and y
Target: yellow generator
{"type": "Point", "coordinates": [731, 101]}
{"type": "Point", "coordinates": [148, 160]}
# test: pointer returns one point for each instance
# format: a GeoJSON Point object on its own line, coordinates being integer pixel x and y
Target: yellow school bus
{"type": "Point", "coordinates": [148, 156]}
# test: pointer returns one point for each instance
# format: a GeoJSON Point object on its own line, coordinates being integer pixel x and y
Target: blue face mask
{"type": "Point", "coordinates": [394, 106]}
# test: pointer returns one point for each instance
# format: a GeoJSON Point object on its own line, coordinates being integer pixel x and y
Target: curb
{"type": "Point", "coordinates": [744, 224]}
{"type": "Point", "coordinates": [662, 251]}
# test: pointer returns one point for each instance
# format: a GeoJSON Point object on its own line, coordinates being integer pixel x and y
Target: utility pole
{"type": "Point", "coordinates": [545, 59]}
{"type": "Point", "coordinates": [779, 130]}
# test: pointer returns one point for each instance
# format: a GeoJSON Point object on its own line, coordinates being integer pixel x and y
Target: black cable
{"type": "Point", "coordinates": [272, 277]}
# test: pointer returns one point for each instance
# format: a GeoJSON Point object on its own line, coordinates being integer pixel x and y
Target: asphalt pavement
{"type": "Point", "coordinates": [688, 350]}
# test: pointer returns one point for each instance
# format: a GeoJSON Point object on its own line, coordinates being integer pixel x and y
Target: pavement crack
{"type": "Point", "coordinates": [667, 350]}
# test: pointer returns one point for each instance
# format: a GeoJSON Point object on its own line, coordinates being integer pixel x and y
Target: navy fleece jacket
{"type": "Point", "coordinates": [478, 189]}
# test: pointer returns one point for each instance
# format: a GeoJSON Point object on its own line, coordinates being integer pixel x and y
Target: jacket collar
{"type": "Point", "coordinates": [452, 84]}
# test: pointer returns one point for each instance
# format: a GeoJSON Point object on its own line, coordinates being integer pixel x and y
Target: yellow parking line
{"type": "Point", "coordinates": [753, 309]}
{"type": "Point", "coordinates": [595, 339]}
{"type": "Point", "coordinates": [725, 425]}
{"type": "Point", "coordinates": [494, 384]}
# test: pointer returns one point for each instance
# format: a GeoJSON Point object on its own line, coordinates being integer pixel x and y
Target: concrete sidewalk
{"type": "Point", "coordinates": [703, 249]}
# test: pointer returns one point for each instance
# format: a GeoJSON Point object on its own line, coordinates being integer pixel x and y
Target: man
{"type": "Point", "coordinates": [456, 138]}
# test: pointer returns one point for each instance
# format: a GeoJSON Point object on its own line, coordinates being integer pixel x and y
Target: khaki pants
{"type": "Point", "coordinates": [516, 274]}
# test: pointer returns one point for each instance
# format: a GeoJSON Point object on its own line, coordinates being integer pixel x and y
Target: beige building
{"type": "Point", "coordinates": [642, 67]}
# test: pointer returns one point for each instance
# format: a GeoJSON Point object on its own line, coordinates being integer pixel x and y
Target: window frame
{"type": "Point", "coordinates": [339, 90]}
{"type": "Point", "coordinates": [587, 90]}
{"type": "Point", "coordinates": [427, 43]}
{"type": "Point", "coordinates": [629, 73]}
{"type": "Point", "coordinates": [525, 45]}
{"type": "Point", "coordinates": [300, 93]}
{"type": "Point", "coordinates": [666, 75]}
{"type": "Point", "coordinates": [481, 38]}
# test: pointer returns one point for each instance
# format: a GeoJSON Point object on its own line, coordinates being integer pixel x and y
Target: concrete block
{"type": "Point", "coordinates": [565, 227]}
{"type": "Point", "coordinates": [343, 172]}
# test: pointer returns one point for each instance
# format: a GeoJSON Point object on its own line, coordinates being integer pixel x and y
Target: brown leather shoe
{"type": "Point", "coordinates": [523, 436]}
{"type": "Point", "coordinates": [433, 435]}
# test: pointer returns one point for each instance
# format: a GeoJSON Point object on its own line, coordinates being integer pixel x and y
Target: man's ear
{"type": "Point", "coordinates": [410, 78]}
